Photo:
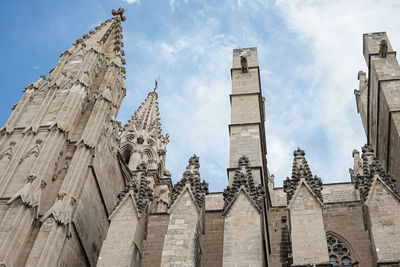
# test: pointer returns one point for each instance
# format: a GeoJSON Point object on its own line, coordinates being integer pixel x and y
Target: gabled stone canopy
{"type": "Point", "coordinates": [301, 170]}
{"type": "Point", "coordinates": [191, 177]}
{"type": "Point", "coordinates": [243, 180]}
{"type": "Point", "coordinates": [139, 188]}
{"type": "Point", "coordinates": [371, 171]}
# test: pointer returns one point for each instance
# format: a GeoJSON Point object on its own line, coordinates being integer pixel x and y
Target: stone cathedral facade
{"type": "Point", "coordinates": [77, 189]}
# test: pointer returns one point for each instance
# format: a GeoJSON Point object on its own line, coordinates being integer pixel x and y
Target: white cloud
{"type": "Point", "coordinates": [333, 34]}
{"type": "Point", "coordinates": [132, 1]}
{"type": "Point", "coordinates": [309, 54]}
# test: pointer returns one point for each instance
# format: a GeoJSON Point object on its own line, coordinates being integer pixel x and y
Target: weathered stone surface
{"type": "Point", "coordinates": [182, 241]}
{"type": "Point", "coordinates": [77, 189]}
{"type": "Point", "coordinates": [307, 228]}
{"type": "Point", "coordinates": [243, 234]}
{"type": "Point", "coordinates": [384, 212]}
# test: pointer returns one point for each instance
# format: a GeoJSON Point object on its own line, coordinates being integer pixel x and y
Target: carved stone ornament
{"type": "Point", "coordinates": [301, 170]}
{"type": "Point", "coordinates": [371, 170]}
{"type": "Point", "coordinates": [243, 180]}
{"type": "Point", "coordinates": [191, 177]}
{"type": "Point", "coordinates": [138, 186]}
{"type": "Point", "coordinates": [61, 211]}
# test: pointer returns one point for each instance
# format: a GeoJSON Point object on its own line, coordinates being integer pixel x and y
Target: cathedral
{"type": "Point", "coordinates": [79, 189]}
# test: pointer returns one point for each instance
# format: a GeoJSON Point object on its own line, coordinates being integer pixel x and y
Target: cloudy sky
{"type": "Point", "coordinates": [309, 56]}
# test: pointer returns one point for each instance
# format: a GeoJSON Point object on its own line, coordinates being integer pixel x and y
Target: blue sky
{"type": "Point", "coordinates": [309, 55]}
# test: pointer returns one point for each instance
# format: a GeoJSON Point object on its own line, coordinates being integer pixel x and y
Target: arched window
{"type": "Point", "coordinates": [126, 152]}
{"type": "Point", "coordinates": [339, 252]}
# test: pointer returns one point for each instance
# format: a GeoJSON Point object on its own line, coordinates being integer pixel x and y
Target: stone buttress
{"type": "Point", "coordinates": [378, 100]}
{"type": "Point", "coordinates": [59, 165]}
{"type": "Point", "coordinates": [381, 208]}
{"type": "Point", "coordinates": [243, 220]}
{"type": "Point", "coordinates": [247, 130]}
{"type": "Point", "coordinates": [305, 206]}
{"type": "Point", "coordinates": [186, 219]}
{"type": "Point", "coordinates": [124, 243]}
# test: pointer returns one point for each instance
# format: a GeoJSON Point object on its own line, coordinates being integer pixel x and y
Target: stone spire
{"type": "Point", "coordinates": [191, 178]}
{"type": "Point", "coordinates": [301, 171]}
{"type": "Point", "coordinates": [243, 179]}
{"type": "Point", "coordinates": [371, 171]}
{"type": "Point", "coordinates": [106, 43]}
{"type": "Point", "coordinates": [142, 139]}
{"type": "Point", "coordinates": [92, 60]}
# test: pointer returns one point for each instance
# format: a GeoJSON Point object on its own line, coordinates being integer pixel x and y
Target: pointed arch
{"type": "Point", "coordinates": [8, 153]}
{"type": "Point", "coordinates": [126, 151]}
{"type": "Point", "coordinates": [35, 151]}
{"type": "Point", "coordinates": [340, 251]}
{"type": "Point", "coordinates": [149, 152]}
{"type": "Point", "coordinates": [5, 159]}
{"type": "Point", "coordinates": [26, 163]}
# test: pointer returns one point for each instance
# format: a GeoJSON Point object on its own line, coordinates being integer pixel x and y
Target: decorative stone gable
{"type": "Point", "coordinates": [191, 178]}
{"type": "Point", "coordinates": [139, 189]}
{"type": "Point", "coordinates": [301, 171]}
{"type": "Point", "coordinates": [243, 180]}
{"type": "Point", "coordinates": [371, 171]}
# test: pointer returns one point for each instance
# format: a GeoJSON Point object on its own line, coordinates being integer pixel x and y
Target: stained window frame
{"type": "Point", "coordinates": [339, 241]}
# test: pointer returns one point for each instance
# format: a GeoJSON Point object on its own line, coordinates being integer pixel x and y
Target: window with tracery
{"type": "Point", "coordinates": [339, 253]}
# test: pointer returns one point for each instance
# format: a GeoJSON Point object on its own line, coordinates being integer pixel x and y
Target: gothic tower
{"type": "Point", "coordinates": [377, 100]}
{"type": "Point", "coordinates": [59, 169]}
{"type": "Point", "coordinates": [247, 179]}
{"type": "Point", "coordinates": [77, 189]}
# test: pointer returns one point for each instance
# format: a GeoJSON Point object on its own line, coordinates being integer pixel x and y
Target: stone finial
{"type": "Point", "coordinates": [243, 180]}
{"type": "Point", "coordinates": [299, 152]}
{"type": "Point", "coordinates": [119, 12]}
{"type": "Point", "coordinates": [301, 171]}
{"type": "Point", "coordinates": [191, 177]}
{"type": "Point", "coordinates": [383, 48]}
{"type": "Point", "coordinates": [372, 170]}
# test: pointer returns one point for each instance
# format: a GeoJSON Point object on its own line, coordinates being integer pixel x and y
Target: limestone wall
{"type": "Point", "coordinates": [346, 219]}
{"type": "Point", "coordinates": [246, 109]}
{"type": "Point", "coordinates": [245, 140]}
{"type": "Point", "coordinates": [213, 239]}
{"type": "Point", "coordinates": [278, 197]}
{"type": "Point", "coordinates": [384, 213]}
{"type": "Point", "coordinates": [243, 235]}
{"type": "Point", "coordinates": [119, 245]}
{"type": "Point", "coordinates": [182, 242]}
{"type": "Point", "coordinates": [214, 202]}
{"type": "Point", "coordinates": [245, 82]}
{"type": "Point", "coordinates": [91, 220]}
{"type": "Point", "coordinates": [279, 232]}
{"type": "Point", "coordinates": [307, 228]}
{"type": "Point", "coordinates": [153, 245]}
{"type": "Point", "coordinates": [340, 192]}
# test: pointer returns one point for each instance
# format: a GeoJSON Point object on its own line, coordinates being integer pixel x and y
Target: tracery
{"type": "Point", "coordinates": [339, 252]}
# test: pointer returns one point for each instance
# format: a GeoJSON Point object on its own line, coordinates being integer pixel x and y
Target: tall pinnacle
{"type": "Point", "coordinates": [301, 171]}
{"type": "Point", "coordinates": [91, 54]}
{"type": "Point", "coordinates": [142, 139]}
{"type": "Point", "coordinates": [146, 118]}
